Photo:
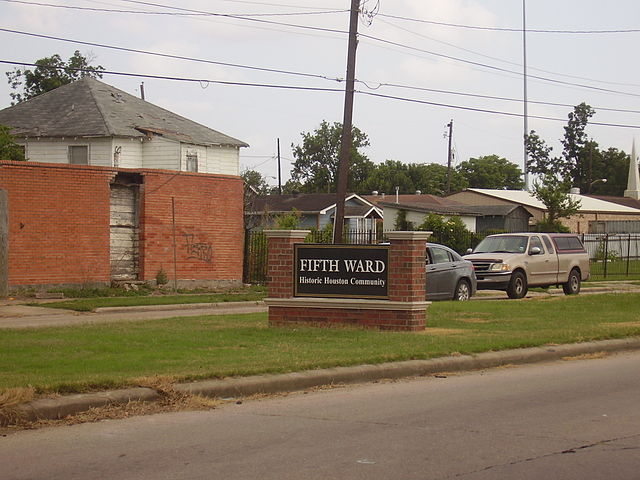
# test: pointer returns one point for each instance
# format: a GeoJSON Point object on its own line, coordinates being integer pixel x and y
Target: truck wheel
{"type": "Point", "coordinates": [572, 287]}
{"type": "Point", "coordinates": [463, 291]}
{"type": "Point", "coordinates": [517, 286]}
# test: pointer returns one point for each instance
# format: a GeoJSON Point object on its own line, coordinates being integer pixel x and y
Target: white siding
{"type": "Point", "coordinates": [224, 160]}
{"type": "Point", "coordinates": [130, 152]}
{"type": "Point", "coordinates": [160, 152]}
{"type": "Point", "coordinates": [56, 150]}
{"type": "Point", "coordinates": [157, 152]}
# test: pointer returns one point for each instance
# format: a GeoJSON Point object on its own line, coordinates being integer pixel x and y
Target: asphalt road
{"type": "Point", "coordinates": [577, 419]}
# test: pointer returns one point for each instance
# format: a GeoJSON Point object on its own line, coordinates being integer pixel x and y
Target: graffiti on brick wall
{"type": "Point", "coordinates": [200, 250]}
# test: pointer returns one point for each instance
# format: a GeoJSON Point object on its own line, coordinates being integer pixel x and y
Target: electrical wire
{"type": "Point", "coordinates": [315, 89]}
{"type": "Point", "coordinates": [186, 14]}
{"type": "Point", "coordinates": [515, 30]}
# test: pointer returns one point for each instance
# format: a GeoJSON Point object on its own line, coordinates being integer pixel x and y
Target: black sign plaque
{"type": "Point", "coordinates": [344, 271]}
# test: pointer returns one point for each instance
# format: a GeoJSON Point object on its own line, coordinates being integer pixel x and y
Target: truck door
{"type": "Point", "coordinates": [543, 266]}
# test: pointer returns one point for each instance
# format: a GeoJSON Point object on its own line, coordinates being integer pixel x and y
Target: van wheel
{"type": "Point", "coordinates": [572, 287]}
{"type": "Point", "coordinates": [463, 291]}
{"type": "Point", "coordinates": [517, 286]}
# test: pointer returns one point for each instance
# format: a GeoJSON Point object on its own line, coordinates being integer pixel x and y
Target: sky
{"type": "Point", "coordinates": [269, 70]}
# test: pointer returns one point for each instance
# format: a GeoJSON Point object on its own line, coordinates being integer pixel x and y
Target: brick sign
{"type": "Point", "coordinates": [344, 271]}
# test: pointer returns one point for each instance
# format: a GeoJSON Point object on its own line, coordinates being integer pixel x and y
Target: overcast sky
{"type": "Point", "coordinates": [440, 60]}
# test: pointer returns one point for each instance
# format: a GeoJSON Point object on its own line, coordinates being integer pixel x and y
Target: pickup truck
{"type": "Point", "coordinates": [515, 261]}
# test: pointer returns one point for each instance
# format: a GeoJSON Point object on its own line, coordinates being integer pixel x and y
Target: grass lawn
{"type": "Point", "coordinates": [82, 358]}
{"type": "Point", "coordinates": [91, 303]}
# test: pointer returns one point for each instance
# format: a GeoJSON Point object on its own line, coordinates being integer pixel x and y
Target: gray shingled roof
{"type": "Point", "coordinates": [90, 108]}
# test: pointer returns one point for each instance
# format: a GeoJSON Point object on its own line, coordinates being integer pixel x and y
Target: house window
{"type": "Point", "coordinates": [79, 154]}
{"type": "Point", "coordinates": [192, 161]}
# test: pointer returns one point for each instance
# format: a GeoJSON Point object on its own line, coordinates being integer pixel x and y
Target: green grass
{"type": "Point", "coordinates": [91, 303]}
{"type": "Point", "coordinates": [82, 358]}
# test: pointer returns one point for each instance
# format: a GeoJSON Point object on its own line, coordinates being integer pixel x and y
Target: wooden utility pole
{"type": "Point", "coordinates": [449, 157]}
{"type": "Point", "coordinates": [345, 145]}
{"type": "Point", "coordinates": [279, 171]}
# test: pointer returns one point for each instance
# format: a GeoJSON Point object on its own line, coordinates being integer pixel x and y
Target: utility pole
{"type": "Point", "coordinates": [526, 107]}
{"type": "Point", "coordinates": [279, 171]}
{"type": "Point", "coordinates": [449, 156]}
{"type": "Point", "coordinates": [345, 145]}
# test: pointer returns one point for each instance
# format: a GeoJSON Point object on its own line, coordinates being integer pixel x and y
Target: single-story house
{"type": "Point", "coordinates": [88, 122]}
{"type": "Point", "coordinates": [591, 208]}
{"type": "Point", "coordinates": [418, 206]}
{"type": "Point", "coordinates": [316, 210]}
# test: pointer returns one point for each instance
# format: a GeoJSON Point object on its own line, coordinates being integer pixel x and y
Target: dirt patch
{"type": "Point", "coordinates": [442, 331]}
{"type": "Point", "coordinates": [474, 320]}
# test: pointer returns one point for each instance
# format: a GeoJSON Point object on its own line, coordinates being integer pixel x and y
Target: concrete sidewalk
{"type": "Point", "coordinates": [17, 315]}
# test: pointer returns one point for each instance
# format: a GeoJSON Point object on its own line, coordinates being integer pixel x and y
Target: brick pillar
{"type": "Point", "coordinates": [407, 266]}
{"type": "Point", "coordinates": [280, 260]}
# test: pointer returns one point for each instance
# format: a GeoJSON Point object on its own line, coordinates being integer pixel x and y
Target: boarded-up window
{"type": "Point", "coordinates": [79, 154]}
{"type": "Point", "coordinates": [192, 161]}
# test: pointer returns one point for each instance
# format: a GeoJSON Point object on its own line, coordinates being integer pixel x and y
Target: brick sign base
{"type": "Point", "coordinates": [405, 310]}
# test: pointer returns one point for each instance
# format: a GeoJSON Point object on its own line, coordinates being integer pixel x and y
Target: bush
{"type": "Point", "coordinates": [451, 232]}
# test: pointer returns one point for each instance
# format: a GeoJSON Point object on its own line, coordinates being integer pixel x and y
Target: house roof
{"type": "Point", "coordinates": [90, 108]}
{"type": "Point", "coordinates": [441, 208]}
{"type": "Point", "coordinates": [311, 203]}
{"type": "Point", "coordinates": [587, 204]}
{"type": "Point", "coordinates": [498, 210]}
{"type": "Point", "coordinates": [628, 202]}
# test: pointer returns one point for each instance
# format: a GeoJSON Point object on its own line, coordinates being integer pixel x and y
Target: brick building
{"type": "Point", "coordinates": [86, 225]}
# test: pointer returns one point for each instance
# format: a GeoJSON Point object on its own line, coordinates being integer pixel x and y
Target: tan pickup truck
{"type": "Point", "coordinates": [515, 261]}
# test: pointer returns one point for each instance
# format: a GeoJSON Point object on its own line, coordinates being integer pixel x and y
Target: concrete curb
{"type": "Point", "coordinates": [56, 408]}
{"type": "Point", "coordinates": [183, 306]}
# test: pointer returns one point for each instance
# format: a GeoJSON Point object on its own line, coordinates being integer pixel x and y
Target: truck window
{"type": "Point", "coordinates": [535, 242]}
{"type": "Point", "coordinates": [548, 243]}
{"type": "Point", "coordinates": [568, 243]}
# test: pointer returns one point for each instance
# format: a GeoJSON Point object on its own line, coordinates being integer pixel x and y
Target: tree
{"type": "Point", "coordinates": [554, 194]}
{"type": "Point", "coordinates": [9, 149]}
{"type": "Point", "coordinates": [428, 178]}
{"type": "Point", "coordinates": [451, 231]}
{"type": "Point", "coordinates": [316, 159]}
{"type": "Point", "coordinates": [50, 73]}
{"type": "Point", "coordinates": [576, 166]}
{"type": "Point", "coordinates": [492, 171]}
{"type": "Point", "coordinates": [254, 181]}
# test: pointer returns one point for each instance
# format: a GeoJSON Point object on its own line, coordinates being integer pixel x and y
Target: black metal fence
{"type": "Point", "coordinates": [611, 255]}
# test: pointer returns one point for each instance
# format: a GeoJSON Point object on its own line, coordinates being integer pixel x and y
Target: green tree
{"type": "Point", "coordinates": [581, 162]}
{"type": "Point", "coordinates": [492, 171]}
{"type": "Point", "coordinates": [431, 178]}
{"type": "Point", "coordinates": [50, 73]}
{"type": "Point", "coordinates": [316, 160]}
{"type": "Point", "coordinates": [451, 231]}
{"type": "Point", "coordinates": [554, 194]}
{"type": "Point", "coordinates": [9, 149]}
{"type": "Point", "coordinates": [385, 177]}
{"type": "Point", "coordinates": [428, 178]}
{"type": "Point", "coordinates": [256, 182]}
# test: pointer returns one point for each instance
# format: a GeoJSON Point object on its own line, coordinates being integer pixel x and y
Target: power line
{"type": "Point", "coordinates": [499, 69]}
{"type": "Point", "coordinates": [185, 14]}
{"type": "Point", "coordinates": [514, 30]}
{"type": "Point", "coordinates": [202, 81]}
{"type": "Point", "coordinates": [167, 55]}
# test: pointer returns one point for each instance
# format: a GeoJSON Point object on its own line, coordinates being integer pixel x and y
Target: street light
{"type": "Point", "coordinates": [603, 180]}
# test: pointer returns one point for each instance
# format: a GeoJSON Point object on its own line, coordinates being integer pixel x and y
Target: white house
{"type": "Point", "coordinates": [92, 123]}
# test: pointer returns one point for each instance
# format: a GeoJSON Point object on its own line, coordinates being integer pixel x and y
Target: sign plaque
{"type": "Point", "coordinates": [343, 271]}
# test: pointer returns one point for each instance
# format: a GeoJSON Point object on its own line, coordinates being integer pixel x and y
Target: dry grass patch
{"type": "Point", "coordinates": [588, 356]}
{"type": "Point", "coordinates": [621, 324]}
{"type": "Point", "coordinates": [10, 399]}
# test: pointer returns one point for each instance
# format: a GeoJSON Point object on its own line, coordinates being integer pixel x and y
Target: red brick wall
{"type": "Point", "coordinates": [59, 224]}
{"type": "Point", "coordinates": [209, 229]}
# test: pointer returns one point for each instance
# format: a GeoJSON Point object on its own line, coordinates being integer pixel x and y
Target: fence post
{"type": "Point", "coordinates": [606, 253]}
{"type": "Point", "coordinates": [628, 253]}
